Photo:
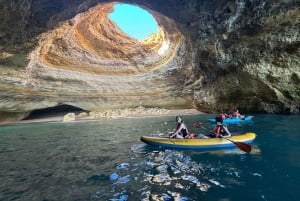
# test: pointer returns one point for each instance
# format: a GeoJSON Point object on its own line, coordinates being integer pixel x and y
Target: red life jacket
{"type": "Point", "coordinates": [219, 130]}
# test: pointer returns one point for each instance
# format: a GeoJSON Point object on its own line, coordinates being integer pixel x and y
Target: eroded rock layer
{"type": "Point", "coordinates": [209, 55]}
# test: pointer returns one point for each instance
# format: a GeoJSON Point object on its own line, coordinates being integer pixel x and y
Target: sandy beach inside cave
{"type": "Point", "coordinates": [145, 114]}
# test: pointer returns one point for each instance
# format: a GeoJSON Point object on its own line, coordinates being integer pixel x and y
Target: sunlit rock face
{"type": "Point", "coordinates": [209, 55]}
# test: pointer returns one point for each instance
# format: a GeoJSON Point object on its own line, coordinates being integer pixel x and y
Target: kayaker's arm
{"type": "Point", "coordinates": [227, 132]}
{"type": "Point", "coordinates": [176, 133]}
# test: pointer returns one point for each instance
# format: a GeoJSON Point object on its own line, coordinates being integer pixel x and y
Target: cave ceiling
{"type": "Point", "coordinates": [208, 55]}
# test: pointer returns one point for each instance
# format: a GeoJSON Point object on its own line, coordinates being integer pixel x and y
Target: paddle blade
{"type": "Point", "coordinates": [243, 146]}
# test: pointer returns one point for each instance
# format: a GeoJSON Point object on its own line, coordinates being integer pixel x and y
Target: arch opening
{"type": "Point", "coordinates": [93, 44]}
{"type": "Point", "coordinates": [134, 21]}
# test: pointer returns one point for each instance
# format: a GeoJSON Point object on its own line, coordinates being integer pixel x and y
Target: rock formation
{"type": "Point", "coordinates": [210, 55]}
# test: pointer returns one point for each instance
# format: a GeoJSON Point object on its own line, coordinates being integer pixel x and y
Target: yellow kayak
{"type": "Point", "coordinates": [199, 143]}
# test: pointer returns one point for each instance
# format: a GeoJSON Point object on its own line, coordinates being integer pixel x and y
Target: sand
{"type": "Point", "coordinates": [139, 114]}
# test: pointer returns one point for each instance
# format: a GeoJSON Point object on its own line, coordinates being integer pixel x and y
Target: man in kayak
{"type": "Point", "coordinates": [222, 115]}
{"type": "Point", "coordinates": [220, 130]}
{"type": "Point", "coordinates": [181, 129]}
{"type": "Point", "coordinates": [237, 114]}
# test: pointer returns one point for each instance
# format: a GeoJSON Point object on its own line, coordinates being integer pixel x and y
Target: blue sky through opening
{"type": "Point", "coordinates": [134, 21]}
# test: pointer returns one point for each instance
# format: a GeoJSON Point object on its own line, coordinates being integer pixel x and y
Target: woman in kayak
{"type": "Point", "coordinates": [220, 130]}
{"type": "Point", "coordinates": [181, 129]}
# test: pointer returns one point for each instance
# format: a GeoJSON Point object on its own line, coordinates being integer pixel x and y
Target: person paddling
{"type": "Point", "coordinates": [237, 114]}
{"type": "Point", "coordinates": [220, 130]}
{"type": "Point", "coordinates": [181, 129]}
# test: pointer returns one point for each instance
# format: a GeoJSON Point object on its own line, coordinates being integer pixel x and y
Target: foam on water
{"type": "Point", "coordinates": [173, 169]}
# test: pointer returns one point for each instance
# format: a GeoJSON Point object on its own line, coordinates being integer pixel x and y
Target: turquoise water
{"type": "Point", "coordinates": [104, 160]}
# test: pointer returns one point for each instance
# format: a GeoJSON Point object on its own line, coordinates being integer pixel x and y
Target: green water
{"type": "Point", "coordinates": [104, 160]}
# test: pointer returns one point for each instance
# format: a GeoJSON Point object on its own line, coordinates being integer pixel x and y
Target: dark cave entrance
{"type": "Point", "coordinates": [56, 111]}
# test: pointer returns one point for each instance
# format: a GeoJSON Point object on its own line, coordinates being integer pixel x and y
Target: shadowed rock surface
{"type": "Point", "coordinates": [208, 55]}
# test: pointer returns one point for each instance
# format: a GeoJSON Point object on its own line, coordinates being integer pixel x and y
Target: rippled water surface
{"type": "Point", "coordinates": [104, 160]}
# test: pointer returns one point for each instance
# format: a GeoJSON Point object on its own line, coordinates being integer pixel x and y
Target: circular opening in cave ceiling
{"type": "Point", "coordinates": [134, 21]}
{"type": "Point", "coordinates": [92, 43]}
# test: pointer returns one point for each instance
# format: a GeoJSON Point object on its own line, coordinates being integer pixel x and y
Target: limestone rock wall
{"type": "Point", "coordinates": [249, 53]}
{"type": "Point", "coordinates": [210, 55]}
